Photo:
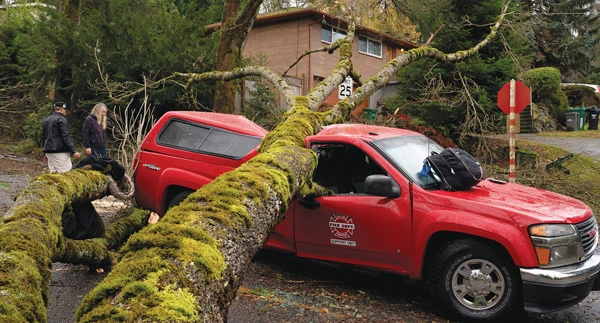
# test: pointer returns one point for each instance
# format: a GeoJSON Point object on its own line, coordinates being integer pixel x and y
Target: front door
{"type": "Point", "coordinates": [351, 226]}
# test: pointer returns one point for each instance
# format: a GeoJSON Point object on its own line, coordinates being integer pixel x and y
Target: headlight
{"type": "Point", "coordinates": [556, 244]}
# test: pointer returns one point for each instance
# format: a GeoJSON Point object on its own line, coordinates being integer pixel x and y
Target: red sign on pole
{"type": "Point", "coordinates": [513, 97]}
{"type": "Point", "coordinates": [522, 97]}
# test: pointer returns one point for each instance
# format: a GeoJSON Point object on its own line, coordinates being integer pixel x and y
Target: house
{"type": "Point", "coordinates": [282, 37]}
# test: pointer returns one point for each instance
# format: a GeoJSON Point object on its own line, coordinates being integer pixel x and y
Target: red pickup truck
{"type": "Point", "coordinates": [492, 250]}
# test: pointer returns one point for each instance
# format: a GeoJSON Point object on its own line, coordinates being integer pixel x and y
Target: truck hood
{"type": "Point", "coordinates": [521, 203]}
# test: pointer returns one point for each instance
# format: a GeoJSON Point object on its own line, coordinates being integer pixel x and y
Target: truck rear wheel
{"type": "Point", "coordinates": [178, 198]}
{"type": "Point", "coordinates": [474, 281]}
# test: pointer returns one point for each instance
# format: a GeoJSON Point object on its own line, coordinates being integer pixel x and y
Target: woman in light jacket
{"type": "Point", "coordinates": [94, 131]}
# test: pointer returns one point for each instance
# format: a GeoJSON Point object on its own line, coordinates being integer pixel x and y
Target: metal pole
{"type": "Point", "coordinates": [511, 132]}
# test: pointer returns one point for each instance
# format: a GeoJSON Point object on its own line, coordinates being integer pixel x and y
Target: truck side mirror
{"type": "Point", "coordinates": [381, 185]}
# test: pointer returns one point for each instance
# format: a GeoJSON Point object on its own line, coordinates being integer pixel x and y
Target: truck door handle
{"type": "Point", "coordinates": [309, 202]}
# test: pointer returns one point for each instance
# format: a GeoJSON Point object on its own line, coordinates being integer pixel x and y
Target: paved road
{"type": "Point", "coordinates": [582, 146]}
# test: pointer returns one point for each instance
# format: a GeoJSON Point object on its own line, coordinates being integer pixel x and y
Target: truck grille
{"type": "Point", "coordinates": [588, 233]}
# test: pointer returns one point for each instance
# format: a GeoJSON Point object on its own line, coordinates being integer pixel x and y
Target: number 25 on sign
{"type": "Point", "coordinates": [345, 89]}
{"type": "Point", "coordinates": [513, 97]}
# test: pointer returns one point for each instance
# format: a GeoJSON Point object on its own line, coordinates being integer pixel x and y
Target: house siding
{"type": "Point", "coordinates": [283, 42]}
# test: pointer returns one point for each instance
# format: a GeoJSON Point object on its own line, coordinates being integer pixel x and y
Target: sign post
{"type": "Point", "coordinates": [513, 97]}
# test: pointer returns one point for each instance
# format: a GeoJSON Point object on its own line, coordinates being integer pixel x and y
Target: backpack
{"type": "Point", "coordinates": [105, 165]}
{"type": "Point", "coordinates": [458, 170]}
{"type": "Point", "coordinates": [81, 221]}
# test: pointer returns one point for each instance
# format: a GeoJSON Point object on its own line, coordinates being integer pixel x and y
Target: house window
{"type": "Point", "coordinates": [330, 34]}
{"type": "Point", "coordinates": [369, 46]}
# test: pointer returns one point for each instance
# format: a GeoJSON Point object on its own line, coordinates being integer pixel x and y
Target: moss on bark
{"type": "Point", "coordinates": [31, 238]}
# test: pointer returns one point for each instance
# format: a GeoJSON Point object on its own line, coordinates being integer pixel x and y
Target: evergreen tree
{"type": "Point", "coordinates": [450, 94]}
{"type": "Point", "coordinates": [151, 41]}
{"type": "Point", "coordinates": [566, 35]}
{"type": "Point", "coordinates": [132, 40]}
{"type": "Point", "coordinates": [27, 60]}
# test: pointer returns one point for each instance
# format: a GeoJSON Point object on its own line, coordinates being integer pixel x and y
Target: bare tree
{"type": "Point", "coordinates": [188, 266]}
{"type": "Point", "coordinates": [128, 129]}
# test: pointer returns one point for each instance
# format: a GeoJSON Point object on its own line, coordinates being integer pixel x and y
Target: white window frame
{"type": "Point", "coordinates": [336, 33]}
{"type": "Point", "coordinates": [369, 46]}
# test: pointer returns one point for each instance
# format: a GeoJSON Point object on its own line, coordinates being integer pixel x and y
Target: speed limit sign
{"type": "Point", "coordinates": [345, 89]}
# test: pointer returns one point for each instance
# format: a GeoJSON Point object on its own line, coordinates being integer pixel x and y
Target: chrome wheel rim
{"type": "Point", "coordinates": [478, 284]}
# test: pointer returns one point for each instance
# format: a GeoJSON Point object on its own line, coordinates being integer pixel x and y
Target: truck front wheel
{"type": "Point", "coordinates": [474, 281]}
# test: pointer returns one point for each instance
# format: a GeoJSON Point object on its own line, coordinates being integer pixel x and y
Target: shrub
{"type": "Point", "coordinates": [581, 96]}
{"type": "Point", "coordinates": [546, 91]}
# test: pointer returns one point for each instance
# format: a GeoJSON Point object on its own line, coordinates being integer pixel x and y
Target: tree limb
{"type": "Point", "coordinates": [430, 39]}
{"type": "Point", "coordinates": [329, 49]}
{"type": "Point", "coordinates": [272, 77]}
{"type": "Point", "coordinates": [31, 239]}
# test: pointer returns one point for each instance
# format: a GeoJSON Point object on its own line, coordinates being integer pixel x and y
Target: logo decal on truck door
{"type": "Point", "coordinates": [341, 226]}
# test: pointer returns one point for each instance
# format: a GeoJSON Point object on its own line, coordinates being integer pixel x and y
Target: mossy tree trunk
{"type": "Point", "coordinates": [31, 239]}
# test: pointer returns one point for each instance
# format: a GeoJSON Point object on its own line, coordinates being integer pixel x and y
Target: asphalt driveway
{"type": "Point", "coordinates": [577, 145]}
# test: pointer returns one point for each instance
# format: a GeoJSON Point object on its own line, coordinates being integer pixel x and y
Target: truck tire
{"type": "Point", "coordinates": [178, 198]}
{"type": "Point", "coordinates": [474, 281]}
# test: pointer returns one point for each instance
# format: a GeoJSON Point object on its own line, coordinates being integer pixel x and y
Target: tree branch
{"type": "Point", "coordinates": [329, 49]}
{"type": "Point", "coordinates": [391, 68]}
{"type": "Point", "coordinates": [430, 39]}
{"type": "Point", "coordinates": [120, 92]}
{"type": "Point", "coordinates": [31, 239]}
{"type": "Point", "coordinates": [275, 79]}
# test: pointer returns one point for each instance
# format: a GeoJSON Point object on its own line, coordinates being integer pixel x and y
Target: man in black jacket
{"type": "Point", "coordinates": [58, 144]}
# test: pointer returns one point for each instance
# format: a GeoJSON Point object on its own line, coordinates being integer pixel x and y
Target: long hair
{"type": "Point", "coordinates": [97, 111]}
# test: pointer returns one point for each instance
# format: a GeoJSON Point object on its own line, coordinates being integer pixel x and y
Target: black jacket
{"type": "Point", "coordinates": [93, 134]}
{"type": "Point", "coordinates": [56, 137]}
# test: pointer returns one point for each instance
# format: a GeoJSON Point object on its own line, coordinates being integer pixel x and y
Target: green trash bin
{"type": "Point", "coordinates": [371, 113]}
{"type": "Point", "coordinates": [581, 112]}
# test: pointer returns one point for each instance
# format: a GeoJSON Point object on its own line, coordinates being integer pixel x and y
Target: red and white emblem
{"type": "Point", "coordinates": [341, 226]}
{"type": "Point", "coordinates": [593, 233]}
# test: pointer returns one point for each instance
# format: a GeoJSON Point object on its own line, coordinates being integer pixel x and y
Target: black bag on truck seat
{"type": "Point", "coordinates": [458, 170]}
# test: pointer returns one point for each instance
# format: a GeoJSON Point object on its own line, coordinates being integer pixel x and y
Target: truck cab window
{"type": "Point", "coordinates": [344, 168]}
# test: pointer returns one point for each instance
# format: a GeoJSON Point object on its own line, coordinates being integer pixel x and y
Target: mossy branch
{"type": "Point", "coordinates": [95, 253]}
{"type": "Point", "coordinates": [321, 91]}
{"type": "Point", "coordinates": [272, 77]}
{"type": "Point", "coordinates": [188, 266]}
{"type": "Point", "coordinates": [31, 239]}
{"type": "Point", "coordinates": [30, 236]}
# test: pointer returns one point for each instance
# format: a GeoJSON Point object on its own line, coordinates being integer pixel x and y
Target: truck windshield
{"type": "Point", "coordinates": [408, 153]}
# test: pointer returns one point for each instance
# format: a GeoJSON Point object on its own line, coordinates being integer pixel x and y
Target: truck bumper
{"type": "Point", "coordinates": [554, 289]}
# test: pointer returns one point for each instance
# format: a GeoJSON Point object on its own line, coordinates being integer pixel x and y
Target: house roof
{"type": "Point", "coordinates": [291, 14]}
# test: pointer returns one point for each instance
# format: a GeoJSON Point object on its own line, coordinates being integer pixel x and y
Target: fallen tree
{"type": "Point", "coordinates": [31, 239]}
{"type": "Point", "coordinates": [188, 267]}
